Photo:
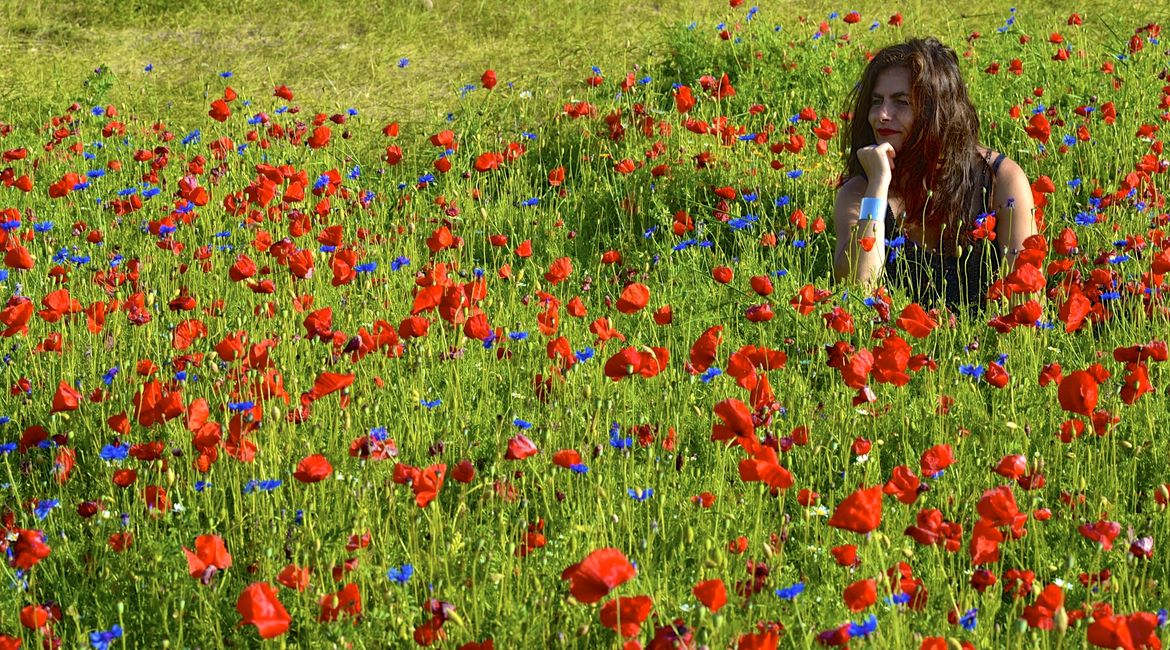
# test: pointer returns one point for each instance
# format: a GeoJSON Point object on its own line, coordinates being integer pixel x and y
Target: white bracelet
{"type": "Point", "coordinates": [872, 208]}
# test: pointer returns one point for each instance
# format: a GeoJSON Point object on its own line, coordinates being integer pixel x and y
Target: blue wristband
{"type": "Point", "coordinates": [872, 208]}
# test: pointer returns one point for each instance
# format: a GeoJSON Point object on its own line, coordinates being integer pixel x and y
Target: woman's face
{"type": "Point", "coordinates": [891, 114]}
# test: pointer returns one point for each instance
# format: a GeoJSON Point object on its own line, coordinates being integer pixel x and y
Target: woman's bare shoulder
{"type": "Point", "coordinates": [1008, 170]}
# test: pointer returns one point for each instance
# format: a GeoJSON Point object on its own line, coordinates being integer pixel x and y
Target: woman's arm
{"type": "Point", "coordinates": [1014, 218]}
{"type": "Point", "coordinates": [851, 261]}
{"type": "Point", "coordinates": [859, 217]}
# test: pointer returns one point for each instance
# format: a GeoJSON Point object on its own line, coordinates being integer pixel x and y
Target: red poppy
{"type": "Point", "coordinates": [1012, 466]}
{"type": "Point", "coordinates": [711, 593]}
{"type": "Point", "coordinates": [722, 274]}
{"type": "Point", "coordinates": [936, 459]}
{"type": "Point", "coordinates": [625, 615]}
{"type": "Point", "coordinates": [860, 512]}
{"type": "Point", "coordinates": [463, 471]}
{"type": "Point", "coordinates": [1041, 614]}
{"type": "Point", "coordinates": [426, 484]}
{"type": "Point", "coordinates": [703, 351]}
{"type": "Point", "coordinates": [28, 549]}
{"type": "Point", "coordinates": [294, 577]}
{"type": "Point", "coordinates": [259, 606]}
{"type": "Point", "coordinates": [488, 79]}
{"type": "Point", "coordinates": [559, 270]}
{"type": "Point", "coordinates": [347, 600]}
{"type": "Point", "coordinates": [66, 398]}
{"type": "Point", "coordinates": [1078, 393]}
{"type": "Point", "coordinates": [219, 110]}
{"type": "Point", "coordinates": [684, 100]}
{"type": "Point", "coordinates": [762, 285]}
{"type": "Point", "coordinates": [600, 572]}
{"type": "Point", "coordinates": [1138, 630]}
{"type": "Point", "coordinates": [764, 467]}
{"type": "Point", "coordinates": [903, 485]}
{"type": "Point", "coordinates": [313, 468]}
{"type": "Point", "coordinates": [566, 458]}
{"type": "Point", "coordinates": [210, 555]}
{"type": "Point", "coordinates": [737, 421]}
{"type": "Point", "coordinates": [1103, 532]}
{"type": "Point", "coordinates": [860, 595]}
{"type": "Point", "coordinates": [915, 321]}
{"type": "Point", "coordinates": [520, 447]}
{"type": "Point", "coordinates": [768, 640]}
{"type": "Point", "coordinates": [633, 298]}
{"type": "Point", "coordinates": [556, 176]}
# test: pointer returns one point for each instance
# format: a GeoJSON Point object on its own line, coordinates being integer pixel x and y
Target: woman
{"type": "Point", "coordinates": [919, 179]}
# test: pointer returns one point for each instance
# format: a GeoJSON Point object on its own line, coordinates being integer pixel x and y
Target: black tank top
{"type": "Point", "coordinates": [960, 280]}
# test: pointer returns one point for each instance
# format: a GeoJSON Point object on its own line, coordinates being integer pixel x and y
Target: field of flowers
{"type": "Point", "coordinates": [574, 373]}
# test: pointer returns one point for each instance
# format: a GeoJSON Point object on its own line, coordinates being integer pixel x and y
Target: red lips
{"type": "Point", "coordinates": [887, 132]}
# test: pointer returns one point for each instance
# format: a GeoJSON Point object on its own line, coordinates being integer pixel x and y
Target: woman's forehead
{"type": "Point", "coordinates": [892, 81]}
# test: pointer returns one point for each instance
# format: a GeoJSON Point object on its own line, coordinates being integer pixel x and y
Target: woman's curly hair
{"type": "Point", "coordinates": [938, 169]}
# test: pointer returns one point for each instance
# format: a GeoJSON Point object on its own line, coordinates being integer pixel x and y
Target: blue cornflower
{"type": "Point", "coordinates": [784, 200]}
{"type": "Point", "coordinates": [972, 370]}
{"type": "Point", "coordinates": [403, 62]}
{"type": "Point", "coordinates": [192, 137]}
{"type": "Point", "coordinates": [640, 495]}
{"type": "Point", "coordinates": [368, 267]}
{"type": "Point", "coordinates": [400, 574]}
{"type": "Point", "coordinates": [528, 203]}
{"type": "Point", "coordinates": [44, 507]}
{"type": "Point", "coordinates": [616, 440]}
{"type": "Point", "coordinates": [898, 599]}
{"type": "Point", "coordinates": [796, 173]}
{"type": "Point", "coordinates": [583, 355]}
{"type": "Point", "coordinates": [149, 68]}
{"type": "Point", "coordinates": [399, 262]}
{"type": "Point", "coordinates": [710, 374]}
{"type": "Point", "coordinates": [101, 639]}
{"type": "Point", "coordinates": [579, 468]}
{"type": "Point", "coordinates": [970, 619]}
{"type": "Point", "coordinates": [434, 403]}
{"type": "Point", "coordinates": [322, 182]}
{"type": "Point", "coordinates": [241, 406]}
{"type": "Point", "coordinates": [380, 433]}
{"type": "Point", "coordinates": [864, 628]}
{"type": "Point", "coordinates": [524, 425]}
{"type": "Point", "coordinates": [267, 485]}
{"type": "Point", "coordinates": [790, 593]}
{"type": "Point", "coordinates": [114, 452]}
{"type": "Point", "coordinates": [517, 336]}
{"type": "Point", "coordinates": [7, 447]}
{"type": "Point", "coordinates": [355, 173]}
{"type": "Point", "coordinates": [201, 485]}
{"type": "Point", "coordinates": [43, 226]}
{"type": "Point", "coordinates": [650, 232]}
{"type": "Point", "coordinates": [227, 74]}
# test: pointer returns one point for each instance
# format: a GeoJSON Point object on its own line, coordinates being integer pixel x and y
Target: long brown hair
{"type": "Point", "coordinates": [938, 169]}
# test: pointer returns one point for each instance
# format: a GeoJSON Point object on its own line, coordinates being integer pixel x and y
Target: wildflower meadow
{"type": "Point", "coordinates": [522, 334]}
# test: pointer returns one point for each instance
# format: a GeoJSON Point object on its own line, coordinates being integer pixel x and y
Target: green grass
{"type": "Point", "coordinates": [463, 545]}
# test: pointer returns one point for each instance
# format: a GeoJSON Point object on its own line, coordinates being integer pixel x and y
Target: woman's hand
{"type": "Point", "coordinates": [878, 162]}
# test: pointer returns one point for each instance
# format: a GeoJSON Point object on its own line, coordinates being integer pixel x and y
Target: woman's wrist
{"type": "Point", "coordinates": [872, 209]}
